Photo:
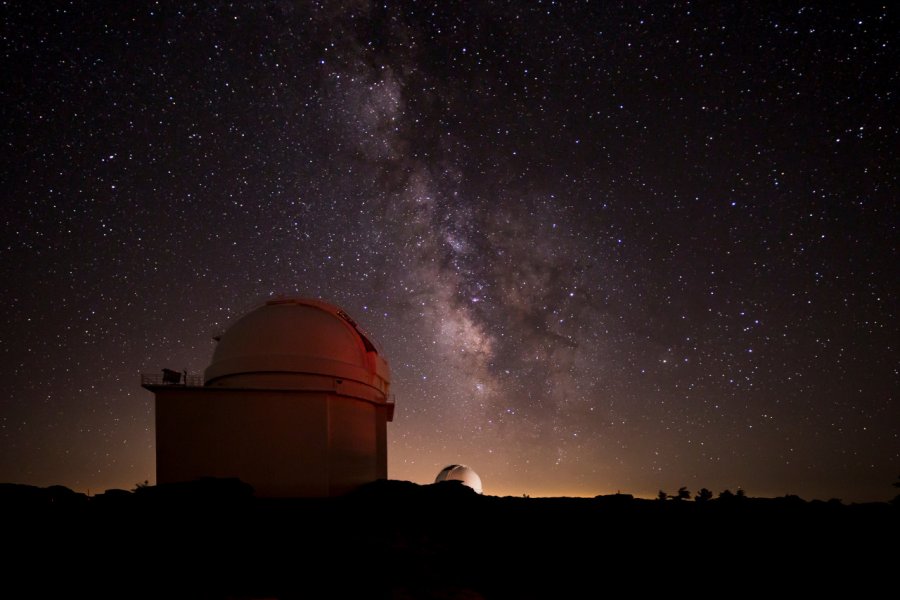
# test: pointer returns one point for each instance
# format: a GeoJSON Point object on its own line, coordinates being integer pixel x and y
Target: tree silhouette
{"type": "Point", "coordinates": [703, 495]}
{"type": "Point", "coordinates": [726, 495]}
{"type": "Point", "coordinates": [662, 496]}
{"type": "Point", "coordinates": [683, 494]}
{"type": "Point", "coordinates": [741, 493]}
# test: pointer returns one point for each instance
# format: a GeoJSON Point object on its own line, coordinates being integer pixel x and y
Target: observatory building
{"type": "Point", "coordinates": [295, 403]}
{"type": "Point", "coordinates": [460, 473]}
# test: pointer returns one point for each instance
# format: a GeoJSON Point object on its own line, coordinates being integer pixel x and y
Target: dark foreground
{"type": "Point", "coordinates": [399, 540]}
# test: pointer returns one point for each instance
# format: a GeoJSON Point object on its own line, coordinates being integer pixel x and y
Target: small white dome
{"type": "Point", "coordinates": [460, 473]}
{"type": "Point", "coordinates": [286, 343]}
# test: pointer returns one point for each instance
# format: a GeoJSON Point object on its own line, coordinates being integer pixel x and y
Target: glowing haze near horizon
{"type": "Point", "coordinates": [603, 247]}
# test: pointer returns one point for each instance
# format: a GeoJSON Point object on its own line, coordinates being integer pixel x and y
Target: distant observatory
{"type": "Point", "coordinates": [460, 473]}
{"type": "Point", "coordinates": [295, 403]}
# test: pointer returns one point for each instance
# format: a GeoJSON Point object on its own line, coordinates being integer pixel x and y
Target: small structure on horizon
{"type": "Point", "coordinates": [295, 402]}
{"type": "Point", "coordinates": [460, 473]}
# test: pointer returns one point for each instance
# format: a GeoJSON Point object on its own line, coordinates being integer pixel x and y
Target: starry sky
{"type": "Point", "coordinates": [604, 246]}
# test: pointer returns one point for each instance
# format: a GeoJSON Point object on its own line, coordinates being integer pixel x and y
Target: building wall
{"type": "Point", "coordinates": [283, 443]}
{"type": "Point", "coordinates": [352, 439]}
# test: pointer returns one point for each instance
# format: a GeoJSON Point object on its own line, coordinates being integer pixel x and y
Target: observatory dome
{"type": "Point", "coordinates": [460, 473]}
{"type": "Point", "coordinates": [298, 343]}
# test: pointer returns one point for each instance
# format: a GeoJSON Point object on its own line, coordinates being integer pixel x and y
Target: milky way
{"type": "Point", "coordinates": [603, 247]}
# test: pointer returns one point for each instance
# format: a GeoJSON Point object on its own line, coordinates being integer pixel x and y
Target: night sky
{"type": "Point", "coordinates": [603, 246]}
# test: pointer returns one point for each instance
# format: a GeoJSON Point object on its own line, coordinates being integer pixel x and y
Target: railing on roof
{"type": "Point", "coordinates": [167, 377]}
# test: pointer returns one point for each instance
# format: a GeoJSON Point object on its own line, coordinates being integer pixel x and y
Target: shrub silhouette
{"type": "Point", "coordinates": [683, 494]}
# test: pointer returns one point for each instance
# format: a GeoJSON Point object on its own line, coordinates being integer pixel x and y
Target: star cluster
{"type": "Point", "coordinates": [604, 246]}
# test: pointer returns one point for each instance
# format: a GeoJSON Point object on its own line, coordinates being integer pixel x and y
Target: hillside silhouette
{"type": "Point", "coordinates": [393, 539]}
